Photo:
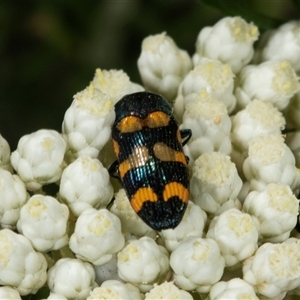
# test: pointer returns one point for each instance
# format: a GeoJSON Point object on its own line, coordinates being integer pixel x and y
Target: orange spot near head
{"type": "Point", "coordinates": [141, 196]}
{"type": "Point", "coordinates": [157, 119]}
{"type": "Point", "coordinates": [130, 124]}
{"type": "Point", "coordinates": [176, 189]}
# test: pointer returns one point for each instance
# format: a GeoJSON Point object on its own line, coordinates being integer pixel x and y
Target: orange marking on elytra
{"type": "Point", "coordinates": [165, 153]}
{"type": "Point", "coordinates": [130, 124]}
{"type": "Point", "coordinates": [116, 147]}
{"type": "Point", "coordinates": [141, 196]}
{"type": "Point", "coordinates": [176, 189]}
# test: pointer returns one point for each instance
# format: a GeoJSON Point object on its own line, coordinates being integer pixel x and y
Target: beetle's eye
{"type": "Point", "coordinates": [157, 119]}
{"type": "Point", "coordinates": [130, 124]}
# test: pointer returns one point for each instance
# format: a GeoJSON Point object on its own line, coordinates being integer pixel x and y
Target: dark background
{"type": "Point", "coordinates": [49, 50]}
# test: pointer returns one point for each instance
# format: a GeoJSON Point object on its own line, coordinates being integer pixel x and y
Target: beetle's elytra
{"type": "Point", "coordinates": [150, 160]}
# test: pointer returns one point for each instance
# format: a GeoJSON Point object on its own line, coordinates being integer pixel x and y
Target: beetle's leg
{"type": "Point", "coordinates": [185, 134]}
{"type": "Point", "coordinates": [113, 170]}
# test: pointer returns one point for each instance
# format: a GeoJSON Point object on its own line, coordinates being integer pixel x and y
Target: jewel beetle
{"type": "Point", "coordinates": [150, 161]}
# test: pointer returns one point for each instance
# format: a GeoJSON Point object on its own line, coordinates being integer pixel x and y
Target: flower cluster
{"type": "Point", "coordinates": [237, 238]}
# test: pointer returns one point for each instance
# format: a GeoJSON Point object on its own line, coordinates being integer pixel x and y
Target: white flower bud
{"type": "Point", "coordinates": [259, 117]}
{"type": "Point", "coordinates": [5, 155]}
{"type": "Point", "coordinates": [192, 224]}
{"type": "Point", "coordinates": [270, 160]}
{"type": "Point", "coordinates": [162, 65]}
{"type": "Point", "coordinates": [116, 290]}
{"type": "Point", "coordinates": [97, 236]}
{"type": "Point", "coordinates": [197, 264]}
{"type": "Point", "coordinates": [20, 266]}
{"type": "Point", "coordinates": [43, 220]}
{"type": "Point", "coordinates": [293, 141]}
{"type": "Point", "coordinates": [13, 196]}
{"type": "Point", "coordinates": [38, 159]}
{"type": "Point", "coordinates": [71, 278]}
{"type": "Point", "coordinates": [131, 222]}
{"type": "Point", "coordinates": [282, 43]}
{"type": "Point", "coordinates": [275, 210]}
{"type": "Point", "coordinates": [208, 77]}
{"type": "Point", "coordinates": [115, 84]}
{"type": "Point", "coordinates": [214, 182]}
{"type": "Point", "coordinates": [234, 289]}
{"type": "Point", "coordinates": [273, 81]}
{"type": "Point", "coordinates": [84, 184]}
{"type": "Point", "coordinates": [236, 235]}
{"type": "Point", "coordinates": [230, 41]}
{"type": "Point", "coordinates": [210, 124]}
{"type": "Point", "coordinates": [142, 263]}
{"type": "Point", "coordinates": [87, 123]}
{"type": "Point", "coordinates": [274, 269]}
{"type": "Point", "coordinates": [167, 290]}
{"type": "Point", "coordinates": [8, 293]}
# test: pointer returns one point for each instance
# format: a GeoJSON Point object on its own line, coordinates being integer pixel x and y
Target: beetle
{"type": "Point", "coordinates": [151, 164]}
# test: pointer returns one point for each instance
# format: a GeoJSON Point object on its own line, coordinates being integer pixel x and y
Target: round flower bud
{"type": "Point", "coordinates": [142, 263]}
{"type": "Point", "coordinates": [39, 157]}
{"type": "Point", "coordinates": [114, 289]}
{"type": "Point", "coordinates": [71, 278]}
{"type": "Point", "coordinates": [273, 81]}
{"type": "Point", "coordinates": [8, 293]}
{"type": "Point", "coordinates": [13, 196]}
{"type": "Point", "coordinates": [167, 290]}
{"type": "Point", "coordinates": [97, 236]}
{"type": "Point", "coordinates": [275, 210]}
{"type": "Point", "coordinates": [214, 182]}
{"type": "Point", "coordinates": [163, 65]}
{"type": "Point", "coordinates": [84, 184]}
{"type": "Point", "coordinates": [208, 77]}
{"type": "Point", "coordinates": [87, 123]}
{"type": "Point", "coordinates": [230, 41]}
{"type": "Point", "coordinates": [5, 155]}
{"type": "Point", "coordinates": [20, 266]}
{"type": "Point", "coordinates": [197, 264]}
{"type": "Point", "coordinates": [236, 235]}
{"type": "Point", "coordinates": [43, 220]}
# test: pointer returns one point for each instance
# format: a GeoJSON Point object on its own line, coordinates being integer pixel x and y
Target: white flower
{"type": "Point", "coordinates": [214, 182]}
{"type": "Point", "coordinates": [192, 224]}
{"type": "Point", "coordinates": [5, 155]}
{"type": "Point", "coordinates": [259, 117]}
{"type": "Point", "coordinates": [142, 263]}
{"type": "Point", "coordinates": [230, 41]}
{"type": "Point", "coordinates": [282, 43]}
{"type": "Point", "coordinates": [208, 77]}
{"type": "Point", "coordinates": [38, 159]}
{"type": "Point", "coordinates": [236, 235]}
{"type": "Point", "coordinates": [131, 222]}
{"type": "Point", "coordinates": [97, 236]}
{"type": "Point", "coordinates": [210, 124]}
{"type": "Point", "coordinates": [20, 266]}
{"type": "Point", "coordinates": [162, 65]}
{"type": "Point", "coordinates": [274, 269]}
{"type": "Point", "coordinates": [43, 220]}
{"type": "Point", "coordinates": [197, 264]}
{"type": "Point", "coordinates": [167, 290]}
{"type": "Point", "coordinates": [275, 209]}
{"type": "Point", "coordinates": [293, 141]}
{"type": "Point", "coordinates": [84, 184]}
{"type": "Point", "coordinates": [115, 84]}
{"type": "Point", "coordinates": [114, 289]}
{"type": "Point", "coordinates": [234, 289]}
{"type": "Point", "coordinates": [71, 278]}
{"type": "Point", "coordinates": [87, 123]}
{"type": "Point", "coordinates": [270, 160]}
{"type": "Point", "coordinates": [9, 293]}
{"type": "Point", "coordinates": [273, 81]}
{"type": "Point", "coordinates": [13, 196]}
